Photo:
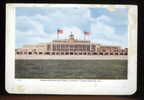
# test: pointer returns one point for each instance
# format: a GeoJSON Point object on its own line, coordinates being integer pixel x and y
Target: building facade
{"type": "Point", "coordinates": [70, 46]}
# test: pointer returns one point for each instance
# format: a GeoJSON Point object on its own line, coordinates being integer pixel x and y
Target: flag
{"type": "Point", "coordinates": [87, 33]}
{"type": "Point", "coordinates": [59, 31]}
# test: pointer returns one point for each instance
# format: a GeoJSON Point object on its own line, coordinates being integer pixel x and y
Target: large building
{"type": "Point", "coordinates": [70, 46]}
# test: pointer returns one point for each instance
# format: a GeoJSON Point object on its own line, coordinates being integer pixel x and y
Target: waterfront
{"type": "Point", "coordinates": [71, 69]}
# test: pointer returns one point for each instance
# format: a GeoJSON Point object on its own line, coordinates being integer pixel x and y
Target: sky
{"type": "Point", "coordinates": [35, 25]}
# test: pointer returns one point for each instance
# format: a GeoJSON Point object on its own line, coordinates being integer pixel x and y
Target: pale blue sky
{"type": "Point", "coordinates": [35, 25]}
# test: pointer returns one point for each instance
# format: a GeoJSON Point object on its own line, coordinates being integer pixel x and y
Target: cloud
{"type": "Point", "coordinates": [34, 33]}
{"type": "Point", "coordinates": [35, 25]}
{"type": "Point", "coordinates": [106, 34]}
{"type": "Point", "coordinates": [77, 32]}
{"type": "Point", "coordinates": [103, 19]}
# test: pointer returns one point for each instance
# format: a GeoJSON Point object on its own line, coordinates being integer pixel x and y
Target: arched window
{"type": "Point", "coordinates": [95, 53]}
{"type": "Point", "coordinates": [30, 53]}
{"type": "Point", "coordinates": [47, 53]}
{"type": "Point", "coordinates": [84, 53]}
{"type": "Point", "coordinates": [62, 53]}
{"type": "Point", "coordinates": [40, 53]}
{"type": "Point", "coordinates": [67, 53]}
{"type": "Point", "coordinates": [53, 53]}
{"type": "Point", "coordinates": [18, 53]}
{"type": "Point", "coordinates": [101, 53]}
{"type": "Point", "coordinates": [111, 53]}
{"type": "Point", "coordinates": [71, 53]}
{"type": "Point", "coordinates": [35, 52]}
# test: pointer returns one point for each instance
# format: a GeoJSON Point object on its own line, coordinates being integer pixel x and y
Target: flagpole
{"type": "Point", "coordinates": [57, 36]}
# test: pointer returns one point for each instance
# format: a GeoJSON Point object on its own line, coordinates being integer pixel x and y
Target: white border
{"type": "Point", "coordinates": [74, 87]}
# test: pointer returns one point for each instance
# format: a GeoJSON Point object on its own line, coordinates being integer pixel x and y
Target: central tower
{"type": "Point", "coordinates": [71, 37]}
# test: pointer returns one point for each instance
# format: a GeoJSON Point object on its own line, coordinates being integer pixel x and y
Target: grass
{"type": "Point", "coordinates": [71, 69]}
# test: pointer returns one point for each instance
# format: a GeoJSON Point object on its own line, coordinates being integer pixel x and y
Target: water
{"type": "Point", "coordinates": [71, 69]}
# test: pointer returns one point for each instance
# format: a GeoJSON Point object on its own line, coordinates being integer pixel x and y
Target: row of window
{"type": "Point", "coordinates": [69, 53]}
{"type": "Point", "coordinates": [54, 49]}
{"type": "Point", "coordinates": [71, 47]}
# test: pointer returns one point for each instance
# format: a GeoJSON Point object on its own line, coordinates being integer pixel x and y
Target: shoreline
{"type": "Point", "coordinates": [71, 57]}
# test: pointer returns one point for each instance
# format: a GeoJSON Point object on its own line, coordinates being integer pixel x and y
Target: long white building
{"type": "Point", "coordinates": [71, 46]}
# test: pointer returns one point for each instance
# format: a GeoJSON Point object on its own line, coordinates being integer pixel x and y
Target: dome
{"type": "Point", "coordinates": [71, 37]}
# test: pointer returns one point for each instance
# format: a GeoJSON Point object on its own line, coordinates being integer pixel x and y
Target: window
{"type": "Point", "coordinates": [84, 53]}
{"type": "Point", "coordinates": [106, 53]}
{"type": "Point", "coordinates": [95, 53]}
{"type": "Point", "coordinates": [40, 53]}
{"type": "Point", "coordinates": [57, 53]}
{"type": "Point", "coordinates": [71, 53]}
{"type": "Point", "coordinates": [101, 53]}
{"type": "Point", "coordinates": [62, 53]}
{"type": "Point", "coordinates": [30, 53]}
{"type": "Point", "coordinates": [35, 52]}
{"type": "Point", "coordinates": [53, 53]}
{"type": "Point", "coordinates": [67, 53]}
{"type": "Point", "coordinates": [80, 53]}
{"type": "Point", "coordinates": [47, 53]}
{"type": "Point", "coordinates": [18, 53]}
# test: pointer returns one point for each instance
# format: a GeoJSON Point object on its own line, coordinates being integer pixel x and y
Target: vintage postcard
{"type": "Point", "coordinates": [78, 49]}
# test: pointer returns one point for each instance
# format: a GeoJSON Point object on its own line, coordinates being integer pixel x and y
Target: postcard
{"type": "Point", "coordinates": [71, 49]}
